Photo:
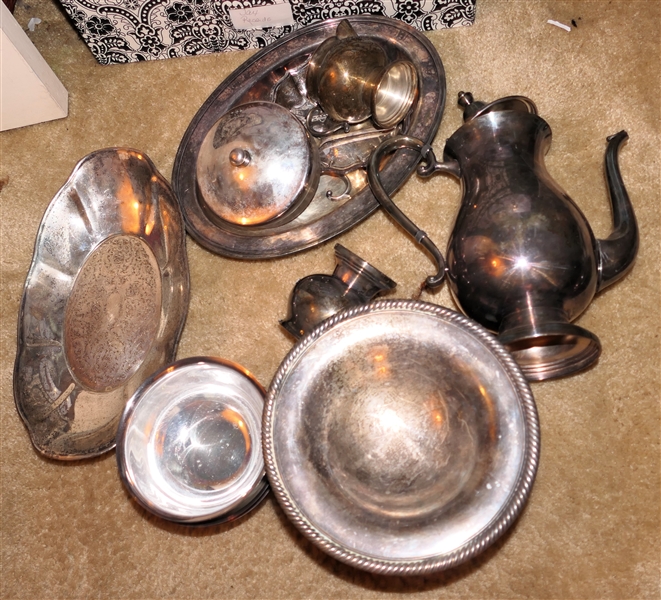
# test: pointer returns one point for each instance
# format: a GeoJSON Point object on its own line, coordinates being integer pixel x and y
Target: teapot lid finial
{"type": "Point", "coordinates": [469, 104]}
{"type": "Point", "coordinates": [465, 98]}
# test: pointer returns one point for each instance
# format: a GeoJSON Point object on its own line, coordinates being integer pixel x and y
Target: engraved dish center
{"type": "Point", "coordinates": [113, 313]}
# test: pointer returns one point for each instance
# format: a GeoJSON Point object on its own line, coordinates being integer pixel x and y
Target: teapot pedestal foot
{"type": "Point", "coordinates": [548, 350]}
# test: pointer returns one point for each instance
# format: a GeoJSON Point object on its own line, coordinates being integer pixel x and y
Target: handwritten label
{"type": "Point", "coordinates": [259, 17]}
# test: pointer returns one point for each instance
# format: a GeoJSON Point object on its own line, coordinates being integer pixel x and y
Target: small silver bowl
{"type": "Point", "coordinates": [188, 445]}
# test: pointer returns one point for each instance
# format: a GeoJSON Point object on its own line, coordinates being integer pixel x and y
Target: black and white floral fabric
{"type": "Point", "coordinates": [121, 31]}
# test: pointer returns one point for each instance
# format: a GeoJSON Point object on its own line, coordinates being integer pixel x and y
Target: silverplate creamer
{"type": "Point", "coordinates": [401, 437]}
{"type": "Point", "coordinates": [351, 79]}
{"type": "Point", "coordinates": [104, 302]}
{"type": "Point", "coordinates": [316, 298]}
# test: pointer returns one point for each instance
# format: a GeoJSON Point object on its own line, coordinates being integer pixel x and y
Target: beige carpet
{"type": "Point", "coordinates": [591, 528]}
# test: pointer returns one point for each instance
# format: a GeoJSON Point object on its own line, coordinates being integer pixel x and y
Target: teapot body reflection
{"type": "Point", "coordinates": [522, 259]}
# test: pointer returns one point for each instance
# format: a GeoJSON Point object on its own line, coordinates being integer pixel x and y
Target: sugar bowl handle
{"type": "Point", "coordinates": [427, 155]}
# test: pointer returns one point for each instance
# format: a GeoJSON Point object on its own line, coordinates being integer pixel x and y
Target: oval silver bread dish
{"type": "Point", "coordinates": [104, 302]}
{"type": "Point", "coordinates": [400, 437]}
{"type": "Point", "coordinates": [189, 442]}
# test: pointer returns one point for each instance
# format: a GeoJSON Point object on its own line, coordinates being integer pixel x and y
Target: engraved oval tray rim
{"type": "Point", "coordinates": [501, 519]}
{"type": "Point", "coordinates": [174, 297]}
{"type": "Point", "coordinates": [291, 238]}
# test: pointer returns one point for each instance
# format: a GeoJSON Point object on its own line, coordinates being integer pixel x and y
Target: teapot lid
{"type": "Point", "coordinates": [475, 108]}
{"type": "Point", "coordinates": [254, 164]}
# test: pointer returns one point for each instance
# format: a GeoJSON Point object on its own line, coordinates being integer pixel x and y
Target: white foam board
{"type": "Point", "coordinates": [29, 90]}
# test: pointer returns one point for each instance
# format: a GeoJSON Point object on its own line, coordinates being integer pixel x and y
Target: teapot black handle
{"type": "Point", "coordinates": [426, 154]}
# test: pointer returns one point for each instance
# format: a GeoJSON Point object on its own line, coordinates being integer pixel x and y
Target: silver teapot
{"type": "Point", "coordinates": [522, 259]}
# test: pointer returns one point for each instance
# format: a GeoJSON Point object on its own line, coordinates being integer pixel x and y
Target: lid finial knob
{"type": "Point", "coordinates": [240, 157]}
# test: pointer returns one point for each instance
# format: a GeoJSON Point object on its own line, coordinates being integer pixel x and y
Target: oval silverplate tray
{"type": "Point", "coordinates": [277, 73]}
{"type": "Point", "coordinates": [104, 302]}
{"type": "Point", "coordinates": [401, 437]}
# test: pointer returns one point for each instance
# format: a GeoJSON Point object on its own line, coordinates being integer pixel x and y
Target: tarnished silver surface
{"type": "Point", "coordinates": [316, 298]}
{"type": "Point", "coordinates": [352, 80]}
{"type": "Point", "coordinates": [522, 259]}
{"type": "Point", "coordinates": [343, 198]}
{"type": "Point", "coordinates": [401, 437]}
{"type": "Point", "coordinates": [343, 73]}
{"type": "Point", "coordinates": [395, 93]}
{"type": "Point", "coordinates": [347, 153]}
{"type": "Point", "coordinates": [188, 445]}
{"type": "Point", "coordinates": [257, 164]}
{"type": "Point", "coordinates": [104, 302]}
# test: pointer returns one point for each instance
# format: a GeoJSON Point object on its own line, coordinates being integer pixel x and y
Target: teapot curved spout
{"type": "Point", "coordinates": [618, 251]}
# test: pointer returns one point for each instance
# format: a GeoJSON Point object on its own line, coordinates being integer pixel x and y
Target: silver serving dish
{"type": "Point", "coordinates": [401, 437]}
{"type": "Point", "coordinates": [188, 446]}
{"type": "Point", "coordinates": [104, 302]}
{"type": "Point", "coordinates": [341, 196]}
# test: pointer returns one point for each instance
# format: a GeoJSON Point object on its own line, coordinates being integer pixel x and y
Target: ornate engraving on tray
{"type": "Point", "coordinates": [103, 304]}
{"type": "Point", "coordinates": [113, 313]}
{"type": "Point", "coordinates": [346, 152]}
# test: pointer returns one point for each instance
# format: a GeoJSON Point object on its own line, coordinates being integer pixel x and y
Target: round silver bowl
{"type": "Point", "coordinates": [401, 437]}
{"type": "Point", "coordinates": [188, 445]}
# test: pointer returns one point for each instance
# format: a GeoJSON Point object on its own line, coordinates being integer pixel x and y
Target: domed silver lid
{"type": "Point", "coordinates": [255, 164]}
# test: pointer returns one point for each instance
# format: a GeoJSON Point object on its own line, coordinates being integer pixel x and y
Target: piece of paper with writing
{"type": "Point", "coordinates": [259, 17]}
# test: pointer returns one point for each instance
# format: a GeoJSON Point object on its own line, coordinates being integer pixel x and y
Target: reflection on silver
{"type": "Point", "coordinates": [278, 74]}
{"type": "Point", "coordinates": [522, 259]}
{"type": "Point", "coordinates": [395, 93]}
{"type": "Point", "coordinates": [316, 298]}
{"type": "Point", "coordinates": [257, 165]}
{"type": "Point", "coordinates": [104, 302]}
{"type": "Point", "coordinates": [205, 444]}
{"type": "Point", "coordinates": [352, 80]}
{"type": "Point", "coordinates": [188, 446]}
{"type": "Point", "coordinates": [401, 437]}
